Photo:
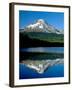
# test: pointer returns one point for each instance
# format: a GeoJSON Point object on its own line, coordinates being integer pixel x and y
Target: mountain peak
{"type": "Point", "coordinates": [40, 21]}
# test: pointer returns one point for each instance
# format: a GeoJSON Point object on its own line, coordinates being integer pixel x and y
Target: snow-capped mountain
{"type": "Point", "coordinates": [41, 26]}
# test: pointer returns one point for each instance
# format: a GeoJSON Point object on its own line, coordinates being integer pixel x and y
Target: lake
{"type": "Point", "coordinates": [44, 49]}
{"type": "Point", "coordinates": [56, 70]}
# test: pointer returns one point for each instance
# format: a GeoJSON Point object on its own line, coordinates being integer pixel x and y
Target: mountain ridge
{"type": "Point", "coordinates": [42, 26]}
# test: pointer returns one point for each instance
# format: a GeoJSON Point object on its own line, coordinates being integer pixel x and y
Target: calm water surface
{"type": "Point", "coordinates": [53, 71]}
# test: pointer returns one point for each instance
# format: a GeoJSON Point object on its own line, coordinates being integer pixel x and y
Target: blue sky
{"type": "Point", "coordinates": [29, 17]}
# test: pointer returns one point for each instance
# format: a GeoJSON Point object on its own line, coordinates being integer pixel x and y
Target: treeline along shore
{"type": "Point", "coordinates": [40, 40]}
